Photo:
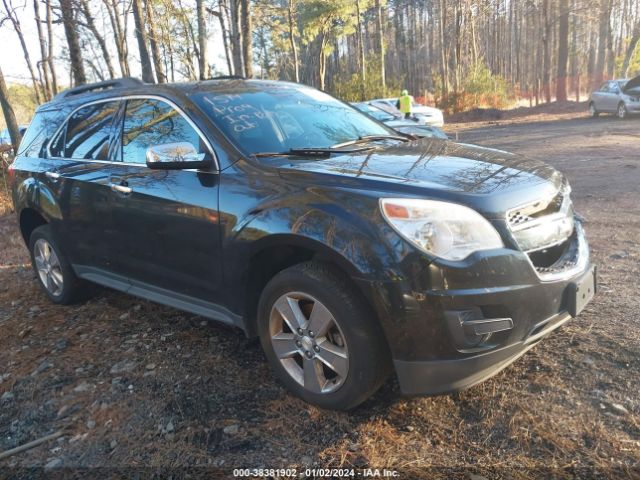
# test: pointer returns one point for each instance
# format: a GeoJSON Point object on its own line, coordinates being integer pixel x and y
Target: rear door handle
{"type": "Point", "coordinates": [121, 188]}
{"type": "Point", "coordinates": [52, 175]}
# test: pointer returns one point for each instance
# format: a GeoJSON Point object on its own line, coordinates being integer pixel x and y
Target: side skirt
{"type": "Point", "coordinates": [159, 295]}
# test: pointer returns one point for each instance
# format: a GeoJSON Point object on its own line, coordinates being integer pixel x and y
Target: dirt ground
{"type": "Point", "coordinates": [131, 384]}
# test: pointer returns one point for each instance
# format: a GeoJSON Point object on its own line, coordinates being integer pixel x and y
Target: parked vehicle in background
{"type": "Point", "coordinates": [392, 117]}
{"type": "Point", "coordinates": [430, 115]}
{"type": "Point", "coordinates": [6, 148]}
{"type": "Point", "coordinates": [349, 250]}
{"type": "Point", "coordinates": [620, 97]}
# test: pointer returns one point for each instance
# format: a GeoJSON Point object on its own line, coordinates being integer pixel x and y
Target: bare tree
{"type": "Point", "coordinates": [119, 33]}
{"type": "Point", "coordinates": [13, 18]}
{"type": "Point", "coordinates": [44, 62]}
{"type": "Point", "coordinates": [141, 37]}
{"type": "Point", "coordinates": [563, 51]}
{"type": "Point", "coordinates": [9, 114]}
{"type": "Point", "coordinates": [203, 64]}
{"type": "Point", "coordinates": [90, 24]}
{"type": "Point", "coordinates": [75, 54]}
{"type": "Point", "coordinates": [153, 40]}
{"type": "Point", "coordinates": [52, 68]}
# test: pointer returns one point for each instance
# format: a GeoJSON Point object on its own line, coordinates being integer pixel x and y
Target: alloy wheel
{"type": "Point", "coordinates": [48, 267]}
{"type": "Point", "coordinates": [622, 111]}
{"type": "Point", "coordinates": [592, 110]}
{"type": "Point", "coordinates": [308, 342]}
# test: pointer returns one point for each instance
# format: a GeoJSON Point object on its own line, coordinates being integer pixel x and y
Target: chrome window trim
{"type": "Point", "coordinates": [132, 97]}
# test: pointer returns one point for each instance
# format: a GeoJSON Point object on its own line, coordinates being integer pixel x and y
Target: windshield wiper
{"type": "Point", "coordinates": [310, 152]}
{"type": "Point", "coordinates": [371, 138]}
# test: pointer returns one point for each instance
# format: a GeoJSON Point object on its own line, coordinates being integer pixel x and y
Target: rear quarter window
{"type": "Point", "coordinates": [43, 125]}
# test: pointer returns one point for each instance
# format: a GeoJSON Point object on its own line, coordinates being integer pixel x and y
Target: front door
{"type": "Point", "coordinates": [167, 220]}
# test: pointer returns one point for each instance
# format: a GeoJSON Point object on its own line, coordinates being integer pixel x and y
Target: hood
{"type": "Point", "coordinates": [632, 84]}
{"type": "Point", "coordinates": [490, 181]}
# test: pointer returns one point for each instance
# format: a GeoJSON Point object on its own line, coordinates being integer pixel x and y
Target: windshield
{"type": "Point", "coordinates": [286, 117]}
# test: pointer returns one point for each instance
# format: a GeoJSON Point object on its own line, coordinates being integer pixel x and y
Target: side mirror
{"type": "Point", "coordinates": [176, 156]}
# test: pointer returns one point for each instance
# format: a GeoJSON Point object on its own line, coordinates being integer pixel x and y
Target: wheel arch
{"type": "Point", "coordinates": [29, 220]}
{"type": "Point", "coordinates": [278, 252]}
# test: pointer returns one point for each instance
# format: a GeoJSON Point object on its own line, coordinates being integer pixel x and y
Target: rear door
{"type": "Point", "coordinates": [168, 230]}
{"type": "Point", "coordinates": [79, 171]}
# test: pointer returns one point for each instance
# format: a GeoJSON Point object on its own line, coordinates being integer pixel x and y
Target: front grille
{"type": "Point", "coordinates": [520, 216]}
{"type": "Point", "coordinates": [542, 224]}
{"type": "Point", "coordinates": [547, 232]}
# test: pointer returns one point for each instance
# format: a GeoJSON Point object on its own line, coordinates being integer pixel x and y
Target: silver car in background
{"type": "Point", "coordinates": [621, 97]}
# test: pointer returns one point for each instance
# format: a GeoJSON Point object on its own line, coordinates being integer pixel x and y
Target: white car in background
{"type": "Point", "coordinates": [430, 115]}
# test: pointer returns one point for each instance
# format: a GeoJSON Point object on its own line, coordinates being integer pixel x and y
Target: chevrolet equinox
{"type": "Point", "coordinates": [350, 250]}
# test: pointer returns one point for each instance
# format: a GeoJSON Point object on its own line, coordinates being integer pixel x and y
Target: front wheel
{"type": "Point", "coordinates": [622, 111]}
{"type": "Point", "coordinates": [593, 113]}
{"type": "Point", "coordinates": [321, 338]}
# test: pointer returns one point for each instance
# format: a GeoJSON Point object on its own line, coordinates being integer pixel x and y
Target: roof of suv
{"type": "Point", "coordinates": [126, 86]}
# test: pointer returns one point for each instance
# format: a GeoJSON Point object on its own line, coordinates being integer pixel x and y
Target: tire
{"type": "Point", "coordinates": [593, 113]}
{"type": "Point", "coordinates": [54, 274]}
{"type": "Point", "coordinates": [621, 112]}
{"type": "Point", "coordinates": [350, 338]}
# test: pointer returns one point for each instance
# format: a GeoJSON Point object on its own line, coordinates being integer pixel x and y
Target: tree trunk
{"type": "Point", "coordinates": [75, 54]}
{"type": "Point", "coordinates": [381, 52]}
{"type": "Point", "coordinates": [563, 52]}
{"type": "Point", "coordinates": [52, 68]}
{"type": "Point", "coordinates": [546, 54]}
{"type": "Point", "coordinates": [203, 63]}
{"type": "Point", "coordinates": [43, 51]}
{"type": "Point", "coordinates": [236, 38]}
{"type": "Point", "coordinates": [603, 30]}
{"type": "Point", "coordinates": [11, 14]}
{"type": "Point", "coordinates": [154, 42]}
{"type": "Point", "coordinates": [9, 114]}
{"type": "Point", "coordinates": [362, 62]}
{"type": "Point", "coordinates": [635, 36]}
{"type": "Point", "coordinates": [247, 39]}
{"type": "Point", "coordinates": [141, 37]}
{"type": "Point", "coordinates": [292, 41]}
{"type": "Point", "coordinates": [91, 25]}
{"type": "Point", "coordinates": [118, 33]}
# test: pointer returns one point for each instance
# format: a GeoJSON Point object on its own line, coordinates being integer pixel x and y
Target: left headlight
{"type": "Point", "coordinates": [446, 230]}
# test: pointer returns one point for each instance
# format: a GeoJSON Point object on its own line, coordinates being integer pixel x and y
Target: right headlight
{"type": "Point", "coordinates": [446, 230]}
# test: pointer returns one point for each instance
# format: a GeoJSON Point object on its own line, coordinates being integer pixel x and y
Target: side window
{"type": "Point", "coordinates": [150, 122]}
{"type": "Point", "coordinates": [604, 87]}
{"type": "Point", "coordinates": [89, 131]}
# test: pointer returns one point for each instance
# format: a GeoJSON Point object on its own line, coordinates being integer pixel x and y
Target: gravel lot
{"type": "Point", "coordinates": [131, 384]}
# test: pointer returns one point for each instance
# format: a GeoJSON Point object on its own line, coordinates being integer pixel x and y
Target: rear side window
{"type": "Point", "coordinates": [88, 132]}
{"type": "Point", "coordinates": [150, 122]}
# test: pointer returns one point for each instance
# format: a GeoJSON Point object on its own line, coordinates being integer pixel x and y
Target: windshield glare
{"type": "Point", "coordinates": [284, 118]}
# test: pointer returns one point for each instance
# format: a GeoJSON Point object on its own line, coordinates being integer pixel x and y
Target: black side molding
{"type": "Point", "coordinates": [159, 295]}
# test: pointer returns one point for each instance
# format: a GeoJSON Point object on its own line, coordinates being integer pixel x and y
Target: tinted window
{"type": "Point", "coordinates": [89, 131]}
{"type": "Point", "coordinates": [43, 125]}
{"type": "Point", "coordinates": [285, 117]}
{"type": "Point", "coordinates": [150, 122]}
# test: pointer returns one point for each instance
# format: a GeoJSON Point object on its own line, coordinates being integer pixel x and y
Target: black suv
{"type": "Point", "coordinates": [349, 249]}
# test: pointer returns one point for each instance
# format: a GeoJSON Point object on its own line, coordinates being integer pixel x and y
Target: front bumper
{"type": "Point", "coordinates": [442, 376]}
{"type": "Point", "coordinates": [415, 312]}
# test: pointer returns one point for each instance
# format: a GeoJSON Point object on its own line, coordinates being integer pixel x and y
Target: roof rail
{"type": "Point", "coordinates": [91, 87]}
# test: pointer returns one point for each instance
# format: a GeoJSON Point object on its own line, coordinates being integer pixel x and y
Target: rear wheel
{"type": "Point", "coordinates": [593, 113]}
{"type": "Point", "coordinates": [321, 337]}
{"type": "Point", "coordinates": [52, 269]}
{"type": "Point", "coordinates": [622, 111]}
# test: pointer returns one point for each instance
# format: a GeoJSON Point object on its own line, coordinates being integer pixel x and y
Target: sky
{"type": "Point", "coordinates": [15, 68]}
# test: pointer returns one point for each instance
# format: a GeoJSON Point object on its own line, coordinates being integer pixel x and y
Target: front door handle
{"type": "Point", "coordinates": [52, 175]}
{"type": "Point", "coordinates": [121, 188]}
